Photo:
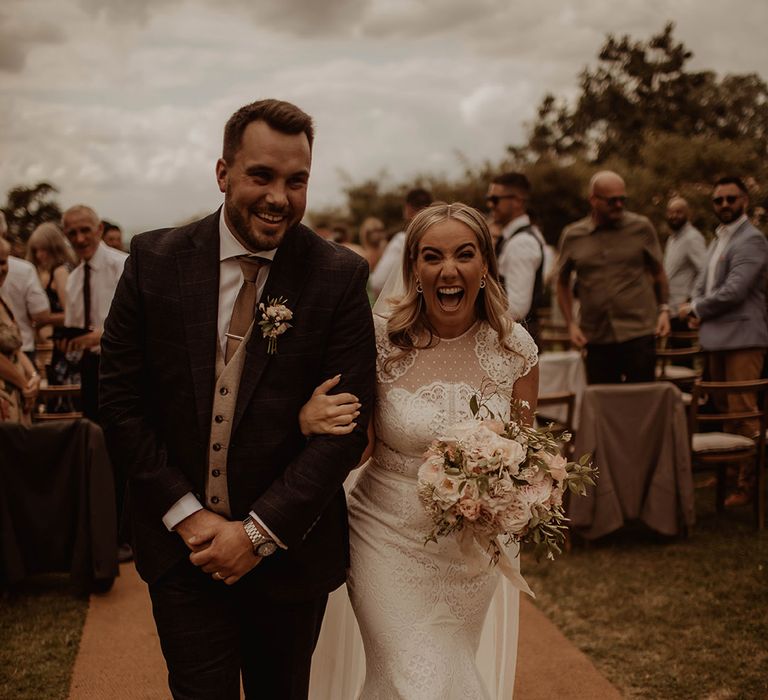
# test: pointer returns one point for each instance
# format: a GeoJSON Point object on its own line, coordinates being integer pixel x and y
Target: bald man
{"type": "Point", "coordinates": [617, 262]}
{"type": "Point", "coordinates": [684, 257]}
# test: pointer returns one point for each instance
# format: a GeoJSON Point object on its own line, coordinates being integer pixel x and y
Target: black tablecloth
{"type": "Point", "coordinates": [57, 503]}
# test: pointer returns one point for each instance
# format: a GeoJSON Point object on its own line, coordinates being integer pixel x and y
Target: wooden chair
{"type": "Point", "coordinates": [550, 340]}
{"type": "Point", "coordinates": [43, 355]}
{"type": "Point", "coordinates": [48, 392]}
{"type": "Point", "coordinates": [681, 376]}
{"type": "Point", "coordinates": [559, 427]}
{"type": "Point", "coordinates": [719, 450]}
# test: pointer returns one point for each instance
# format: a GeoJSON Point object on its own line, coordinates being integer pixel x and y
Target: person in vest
{"type": "Point", "coordinates": [520, 248]}
{"type": "Point", "coordinates": [219, 332]}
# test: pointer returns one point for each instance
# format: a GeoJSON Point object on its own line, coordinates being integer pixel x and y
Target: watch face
{"type": "Point", "coordinates": [265, 549]}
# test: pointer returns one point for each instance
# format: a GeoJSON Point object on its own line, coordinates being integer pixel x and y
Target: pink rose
{"type": "Point", "coordinates": [469, 508]}
{"type": "Point", "coordinates": [556, 465]}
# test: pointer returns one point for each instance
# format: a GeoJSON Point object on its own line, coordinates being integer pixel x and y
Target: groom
{"type": "Point", "coordinates": [238, 522]}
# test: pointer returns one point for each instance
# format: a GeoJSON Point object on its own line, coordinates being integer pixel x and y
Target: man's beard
{"type": "Point", "coordinates": [727, 216]}
{"type": "Point", "coordinates": [253, 240]}
{"type": "Point", "coordinates": [677, 225]}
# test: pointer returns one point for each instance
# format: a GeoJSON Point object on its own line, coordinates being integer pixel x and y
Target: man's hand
{"type": "Point", "coordinates": [192, 527]}
{"type": "Point", "coordinates": [684, 310]}
{"type": "Point", "coordinates": [30, 391]}
{"type": "Point", "coordinates": [578, 339]}
{"type": "Point", "coordinates": [229, 554]}
{"type": "Point", "coordinates": [85, 342]}
{"type": "Point", "coordinates": [662, 324]}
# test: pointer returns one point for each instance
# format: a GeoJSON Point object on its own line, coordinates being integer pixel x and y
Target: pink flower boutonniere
{"type": "Point", "coordinates": [274, 321]}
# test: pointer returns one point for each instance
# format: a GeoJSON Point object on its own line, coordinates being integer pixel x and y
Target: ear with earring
{"type": "Point", "coordinates": [419, 288]}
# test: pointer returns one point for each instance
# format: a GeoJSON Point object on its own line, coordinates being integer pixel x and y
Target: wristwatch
{"type": "Point", "coordinates": [262, 545]}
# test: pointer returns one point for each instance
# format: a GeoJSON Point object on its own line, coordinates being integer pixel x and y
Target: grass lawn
{"type": "Point", "coordinates": [40, 627]}
{"type": "Point", "coordinates": [668, 619]}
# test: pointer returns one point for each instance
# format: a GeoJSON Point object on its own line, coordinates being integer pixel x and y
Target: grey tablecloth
{"type": "Point", "coordinates": [638, 436]}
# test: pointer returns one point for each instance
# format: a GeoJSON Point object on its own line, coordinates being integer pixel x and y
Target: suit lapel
{"type": "Point", "coordinates": [198, 270]}
{"type": "Point", "coordinates": [287, 275]}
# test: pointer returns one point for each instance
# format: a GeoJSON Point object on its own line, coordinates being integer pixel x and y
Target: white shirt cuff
{"type": "Point", "coordinates": [183, 508]}
{"type": "Point", "coordinates": [267, 530]}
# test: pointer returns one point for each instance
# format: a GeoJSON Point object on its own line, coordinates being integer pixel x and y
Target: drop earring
{"type": "Point", "coordinates": [482, 283]}
{"type": "Point", "coordinates": [419, 288]}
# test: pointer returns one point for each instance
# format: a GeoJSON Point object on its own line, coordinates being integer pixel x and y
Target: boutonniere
{"type": "Point", "coordinates": [274, 320]}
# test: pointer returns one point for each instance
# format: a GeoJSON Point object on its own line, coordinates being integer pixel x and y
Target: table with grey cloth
{"type": "Point", "coordinates": [561, 371]}
{"type": "Point", "coordinates": [57, 503]}
{"type": "Point", "coordinates": [638, 436]}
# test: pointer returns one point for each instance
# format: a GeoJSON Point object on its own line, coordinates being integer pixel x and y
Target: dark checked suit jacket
{"type": "Point", "coordinates": [157, 382]}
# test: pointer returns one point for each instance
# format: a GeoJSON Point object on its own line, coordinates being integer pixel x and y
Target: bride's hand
{"type": "Point", "coordinates": [326, 414]}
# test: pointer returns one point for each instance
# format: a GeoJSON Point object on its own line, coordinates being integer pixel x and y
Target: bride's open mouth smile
{"type": "Point", "coordinates": [449, 298]}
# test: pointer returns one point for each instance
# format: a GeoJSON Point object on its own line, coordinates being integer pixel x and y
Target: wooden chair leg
{"type": "Point", "coordinates": [722, 476]}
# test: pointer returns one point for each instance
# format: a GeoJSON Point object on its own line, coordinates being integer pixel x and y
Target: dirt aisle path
{"type": "Point", "coordinates": [120, 657]}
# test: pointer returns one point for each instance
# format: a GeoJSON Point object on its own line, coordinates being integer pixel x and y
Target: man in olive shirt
{"type": "Point", "coordinates": [622, 286]}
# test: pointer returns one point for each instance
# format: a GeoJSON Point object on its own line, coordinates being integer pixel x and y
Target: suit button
{"type": "Point", "coordinates": [214, 499]}
{"type": "Point", "coordinates": [216, 446]}
{"type": "Point", "coordinates": [223, 391]}
{"type": "Point", "coordinates": [219, 419]}
{"type": "Point", "coordinates": [216, 472]}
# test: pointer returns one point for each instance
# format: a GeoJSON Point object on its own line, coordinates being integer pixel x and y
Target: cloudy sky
{"type": "Point", "coordinates": [121, 103]}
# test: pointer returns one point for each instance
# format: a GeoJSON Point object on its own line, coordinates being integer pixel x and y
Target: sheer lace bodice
{"type": "Point", "coordinates": [424, 393]}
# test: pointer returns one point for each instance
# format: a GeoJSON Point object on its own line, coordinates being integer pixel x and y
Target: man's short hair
{"type": "Point", "coordinates": [733, 180]}
{"type": "Point", "coordinates": [418, 198]}
{"type": "Point", "coordinates": [280, 116]}
{"type": "Point", "coordinates": [109, 226]}
{"type": "Point", "coordinates": [513, 179]}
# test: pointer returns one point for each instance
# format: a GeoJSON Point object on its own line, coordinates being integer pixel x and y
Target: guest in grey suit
{"type": "Point", "coordinates": [728, 307]}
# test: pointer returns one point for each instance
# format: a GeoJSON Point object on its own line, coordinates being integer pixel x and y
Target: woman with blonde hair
{"type": "Point", "coordinates": [373, 240]}
{"type": "Point", "coordinates": [442, 333]}
{"type": "Point", "coordinates": [50, 252]}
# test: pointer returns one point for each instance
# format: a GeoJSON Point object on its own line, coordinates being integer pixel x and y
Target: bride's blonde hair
{"type": "Point", "coordinates": [408, 327]}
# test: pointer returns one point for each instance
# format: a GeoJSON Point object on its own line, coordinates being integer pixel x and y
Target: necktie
{"type": "Point", "coordinates": [245, 304]}
{"type": "Point", "coordinates": [87, 296]}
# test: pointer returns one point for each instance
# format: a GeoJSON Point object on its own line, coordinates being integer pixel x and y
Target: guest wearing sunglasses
{"type": "Point", "coordinates": [617, 263]}
{"type": "Point", "coordinates": [729, 309]}
{"type": "Point", "coordinates": [520, 250]}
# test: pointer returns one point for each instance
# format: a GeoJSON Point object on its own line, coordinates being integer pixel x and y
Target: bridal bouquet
{"type": "Point", "coordinates": [489, 479]}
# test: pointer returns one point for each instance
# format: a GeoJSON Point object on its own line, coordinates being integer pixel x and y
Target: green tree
{"type": "Point", "coordinates": [28, 207]}
{"type": "Point", "coordinates": [644, 88]}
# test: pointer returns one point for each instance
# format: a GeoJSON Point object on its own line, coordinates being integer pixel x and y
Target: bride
{"type": "Point", "coordinates": [421, 608]}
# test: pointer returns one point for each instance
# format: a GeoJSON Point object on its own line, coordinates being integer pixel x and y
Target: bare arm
{"type": "Point", "coordinates": [565, 301]}
{"type": "Point", "coordinates": [527, 389]}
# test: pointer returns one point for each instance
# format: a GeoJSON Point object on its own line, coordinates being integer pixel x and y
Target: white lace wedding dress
{"type": "Point", "coordinates": [421, 609]}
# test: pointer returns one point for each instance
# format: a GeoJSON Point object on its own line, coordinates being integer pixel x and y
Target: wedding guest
{"type": "Point", "coordinates": [684, 258]}
{"type": "Point", "coordinates": [25, 296]}
{"type": "Point", "coordinates": [113, 235]}
{"type": "Point", "coordinates": [89, 291]}
{"type": "Point", "coordinates": [53, 257]}
{"type": "Point", "coordinates": [19, 380]}
{"type": "Point", "coordinates": [373, 240]}
{"type": "Point", "coordinates": [519, 249]}
{"type": "Point", "coordinates": [618, 265]}
{"type": "Point", "coordinates": [729, 309]}
{"type": "Point", "coordinates": [416, 200]}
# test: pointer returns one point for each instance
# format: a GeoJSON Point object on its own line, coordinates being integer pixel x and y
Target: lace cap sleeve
{"type": "Point", "coordinates": [521, 341]}
{"type": "Point", "coordinates": [388, 372]}
{"type": "Point", "coordinates": [505, 366]}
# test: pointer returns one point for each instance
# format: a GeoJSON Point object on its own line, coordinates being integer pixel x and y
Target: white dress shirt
{"type": "Point", "coordinates": [106, 268]}
{"type": "Point", "coordinates": [519, 260]}
{"type": "Point", "coordinates": [390, 259]}
{"type": "Point", "coordinates": [230, 281]}
{"type": "Point", "coordinates": [25, 295]}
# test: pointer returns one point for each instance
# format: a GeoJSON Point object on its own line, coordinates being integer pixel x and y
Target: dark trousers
{"type": "Point", "coordinates": [210, 632]}
{"type": "Point", "coordinates": [613, 363]}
